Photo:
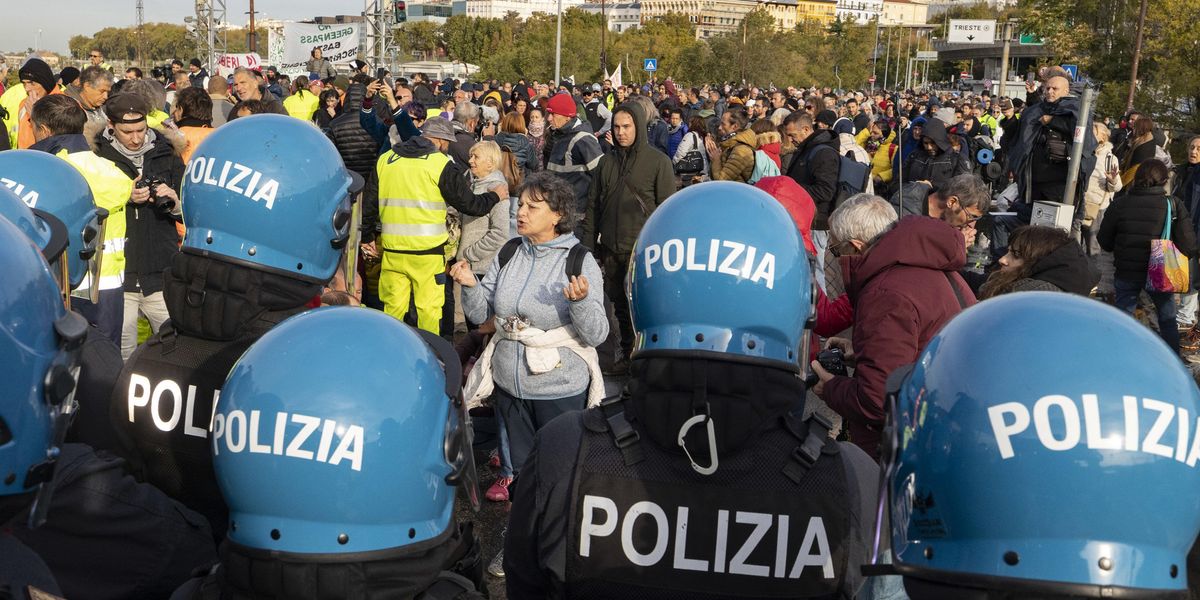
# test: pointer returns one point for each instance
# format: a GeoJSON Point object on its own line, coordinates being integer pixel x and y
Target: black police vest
{"type": "Point", "coordinates": [162, 408]}
{"type": "Point", "coordinates": [594, 119]}
{"type": "Point", "coordinates": [657, 529]}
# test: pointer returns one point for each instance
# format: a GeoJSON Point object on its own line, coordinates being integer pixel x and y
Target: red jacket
{"type": "Point", "coordinates": [901, 294]}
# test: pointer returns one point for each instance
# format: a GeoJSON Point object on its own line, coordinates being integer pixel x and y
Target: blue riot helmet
{"type": "Point", "coordinates": [1067, 469]}
{"type": "Point", "coordinates": [272, 193]}
{"type": "Point", "coordinates": [342, 456]}
{"type": "Point", "coordinates": [48, 183]}
{"type": "Point", "coordinates": [39, 366]}
{"type": "Point", "coordinates": [720, 269]}
{"type": "Point", "coordinates": [40, 227]}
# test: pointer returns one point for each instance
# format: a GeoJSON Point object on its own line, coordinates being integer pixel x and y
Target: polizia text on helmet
{"type": "Point", "coordinates": [723, 256]}
{"type": "Point", "coordinates": [233, 177]}
{"type": "Point", "coordinates": [1165, 419]}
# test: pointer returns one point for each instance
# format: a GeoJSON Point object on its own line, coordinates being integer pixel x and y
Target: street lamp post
{"type": "Point", "coordinates": [558, 47]}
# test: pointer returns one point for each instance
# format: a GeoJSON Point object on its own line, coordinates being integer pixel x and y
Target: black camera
{"type": "Point", "coordinates": [832, 360]}
{"type": "Point", "coordinates": [161, 203]}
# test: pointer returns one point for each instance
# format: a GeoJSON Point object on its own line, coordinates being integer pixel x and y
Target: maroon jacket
{"type": "Point", "coordinates": [902, 296]}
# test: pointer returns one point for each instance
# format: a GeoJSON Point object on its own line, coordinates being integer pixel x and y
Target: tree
{"type": "Point", "coordinates": [419, 37]}
{"type": "Point", "coordinates": [1097, 35]}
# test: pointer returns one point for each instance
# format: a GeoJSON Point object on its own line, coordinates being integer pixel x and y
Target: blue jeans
{"type": "Point", "coordinates": [523, 417]}
{"type": "Point", "coordinates": [506, 469]}
{"type": "Point", "coordinates": [1164, 302]}
{"type": "Point", "coordinates": [107, 314]}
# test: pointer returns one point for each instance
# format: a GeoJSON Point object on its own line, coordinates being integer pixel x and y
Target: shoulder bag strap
{"type": "Point", "coordinates": [962, 304]}
{"type": "Point", "coordinates": [1166, 232]}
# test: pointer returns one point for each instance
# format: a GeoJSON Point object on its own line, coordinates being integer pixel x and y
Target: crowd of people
{"type": "Point", "coordinates": [758, 269]}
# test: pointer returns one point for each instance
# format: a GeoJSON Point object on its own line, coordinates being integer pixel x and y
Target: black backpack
{"type": "Point", "coordinates": [575, 256]}
{"type": "Point", "coordinates": [852, 175]}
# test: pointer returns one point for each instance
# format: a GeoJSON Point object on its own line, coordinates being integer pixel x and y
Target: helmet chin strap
{"type": "Point", "coordinates": [702, 414]}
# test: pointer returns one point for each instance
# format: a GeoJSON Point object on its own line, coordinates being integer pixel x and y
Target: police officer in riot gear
{"type": "Point", "coordinates": [61, 197]}
{"type": "Point", "coordinates": [1072, 476]}
{"type": "Point", "coordinates": [100, 533]}
{"type": "Point", "coordinates": [698, 482]}
{"type": "Point", "coordinates": [338, 490]}
{"type": "Point", "coordinates": [266, 201]}
{"type": "Point", "coordinates": [39, 343]}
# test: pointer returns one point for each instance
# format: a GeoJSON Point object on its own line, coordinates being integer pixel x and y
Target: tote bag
{"type": "Point", "coordinates": [1168, 268]}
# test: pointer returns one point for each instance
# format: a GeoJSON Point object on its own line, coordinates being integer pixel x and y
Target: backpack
{"type": "Point", "coordinates": [511, 169]}
{"type": "Point", "coordinates": [573, 266]}
{"type": "Point", "coordinates": [852, 175]}
{"type": "Point", "coordinates": [763, 167]}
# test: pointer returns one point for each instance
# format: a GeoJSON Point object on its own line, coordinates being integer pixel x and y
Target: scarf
{"type": "Point", "coordinates": [135, 156]}
{"type": "Point", "coordinates": [480, 185]}
{"type": "Point", "coordinates": [537, 129]}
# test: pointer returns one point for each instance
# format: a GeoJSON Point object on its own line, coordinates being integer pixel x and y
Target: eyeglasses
{"type": "Point", "coordinates": [842, 248]}
{"type": "Point", "coordinates": [971, 219]}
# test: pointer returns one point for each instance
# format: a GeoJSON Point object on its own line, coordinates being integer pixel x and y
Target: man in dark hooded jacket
{"type": "Point", "coordinates": [937, 162]}
{"type": "Point", "coordinates": [357, 148]}
{"type": "Point", "coordinates": [816, 171]}
{"type": "Point", "coordinates": [630, 181]}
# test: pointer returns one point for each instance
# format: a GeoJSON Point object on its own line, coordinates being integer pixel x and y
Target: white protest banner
{"type": "Point", "coordinates": [338, 44]}
{"type": "Point", "coordinates": [227, 63]}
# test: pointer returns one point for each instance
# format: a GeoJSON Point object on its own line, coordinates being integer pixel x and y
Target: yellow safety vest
{"type": "Point", "coordinates": [155, 119]}
{"type": "Point", "coordinates": [412, 212]}
{"type": "Point", "coordinates": [111, 189]}
{"type": "Point", "coordinates": [302, 105]}
{"type": "Point", "coordinates": [11, 102]}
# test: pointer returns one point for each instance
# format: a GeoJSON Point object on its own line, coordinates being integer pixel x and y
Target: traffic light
{"type": "Point", "coordinates": [401, 9]}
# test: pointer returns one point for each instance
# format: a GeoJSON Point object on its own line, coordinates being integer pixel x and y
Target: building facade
{"type": "Point", "coordinates": [905, 12]}
{"type": "Point", "coordinates": [711, 17]}
{"type": "Point", "coordinates": [937, 7]}
{"type": "Point", "coordinates": [861, 11]}
{"type": "Point", "coordinates": [621, 16]}
{"type": "Point", "coordinates": [783, 11]}
{"type": "Point", "coordinates": [497, 9]}
{"type": "Point", "coordinates": [816, 11]}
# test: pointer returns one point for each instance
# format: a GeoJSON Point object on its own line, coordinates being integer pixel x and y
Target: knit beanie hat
{"type": "Point", "coordinates": [37, 71]}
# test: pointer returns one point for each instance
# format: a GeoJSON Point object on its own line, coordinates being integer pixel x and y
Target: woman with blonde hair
{"type": "Point", "coordinates": [1103, 183]}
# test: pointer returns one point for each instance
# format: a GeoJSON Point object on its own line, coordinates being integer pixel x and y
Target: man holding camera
{"type": "Point", "coordinates": [902, 278]}
{"type": "Point", "coordinates": [153, 161]}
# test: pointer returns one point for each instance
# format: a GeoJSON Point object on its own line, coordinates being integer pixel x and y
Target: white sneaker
{"type": "Point", "coordinates": [496, 567]}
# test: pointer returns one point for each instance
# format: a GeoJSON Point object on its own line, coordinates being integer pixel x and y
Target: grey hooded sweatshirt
{"type": "Point", "coordinates": [531, 287]}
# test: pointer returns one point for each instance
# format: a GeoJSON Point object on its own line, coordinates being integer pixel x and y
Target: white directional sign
{"type": "Point", "coordinates": [969, 31]}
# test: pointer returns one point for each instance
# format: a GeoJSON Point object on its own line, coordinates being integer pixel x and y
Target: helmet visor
{"type": "Point", "coordinates": [458, 442]}
{"type": "Point", "coordinates": [58, 389]}
{"type": "Point", "coordinates": [93, 251]}
{"type": "Point", "coordinates": [889, 448]}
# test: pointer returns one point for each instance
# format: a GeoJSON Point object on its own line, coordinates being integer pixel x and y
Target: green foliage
{"type": "Point", "coordinates": [509, 48]}
{"type": "Point", "coordinates": [163, 42]}
{"type": "Point", "coordinates": [419, 37]}
{"type": "Point", "coordinates": [1099, 35]}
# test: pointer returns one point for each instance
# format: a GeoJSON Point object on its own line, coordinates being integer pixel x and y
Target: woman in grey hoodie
{"type": "Point", "coordinates": [542, 359]}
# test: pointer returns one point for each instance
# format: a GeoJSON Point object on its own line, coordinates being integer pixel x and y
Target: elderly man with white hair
{"type": "Point", "coordinates": [902, 279]}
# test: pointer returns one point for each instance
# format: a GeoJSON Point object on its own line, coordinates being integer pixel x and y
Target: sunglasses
{"type": "Point", "coordinates": [95, 56]}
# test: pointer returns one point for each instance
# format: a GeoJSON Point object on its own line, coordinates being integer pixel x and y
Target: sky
{"type": "Point", "coordinates": [60, 19]}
